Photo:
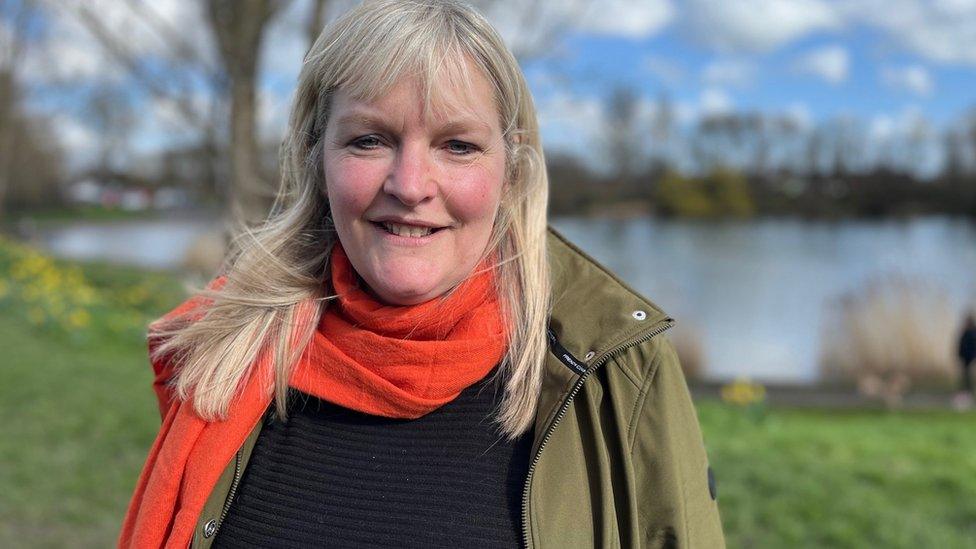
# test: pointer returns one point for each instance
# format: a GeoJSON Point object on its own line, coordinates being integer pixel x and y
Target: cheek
{"type": "Point", "coordinates": [477, 194]}
{"type": "Point", "coordinates": [351, 185]}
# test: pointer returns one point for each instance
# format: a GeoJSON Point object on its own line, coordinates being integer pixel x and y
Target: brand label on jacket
{"type": "Point", "coordinates": [565, 356]}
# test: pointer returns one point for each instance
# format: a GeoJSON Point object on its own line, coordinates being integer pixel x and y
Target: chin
{"type": "Point", "coordinates": [398, 295]}
{"type": "Point", "coordinates": [407, 282]}
{"type": "Point", "coordinates": [400, 287]}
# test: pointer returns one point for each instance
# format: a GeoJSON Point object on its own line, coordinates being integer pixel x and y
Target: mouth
{"type": "Point", "coordinates": [409, 231]}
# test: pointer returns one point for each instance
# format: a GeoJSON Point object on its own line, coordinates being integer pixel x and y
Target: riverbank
{"type": "Point", "coordinates": [832, 397]}
{"type": "Point", "coordinates": [83, 416]}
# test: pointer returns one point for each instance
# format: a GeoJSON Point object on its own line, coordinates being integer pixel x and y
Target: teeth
{"type": "Point", "coordinates": [407, 230]}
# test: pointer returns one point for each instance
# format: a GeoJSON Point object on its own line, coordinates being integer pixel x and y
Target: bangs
{"type": "Point", "coordinates": [421, 45]}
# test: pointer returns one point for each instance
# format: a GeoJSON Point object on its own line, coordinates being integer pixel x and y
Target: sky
{"type": "Point", "coordinates": [887, 63]}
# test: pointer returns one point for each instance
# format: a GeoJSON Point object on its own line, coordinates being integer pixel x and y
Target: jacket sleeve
{"type": "Point", "coordinates": [676, 503]}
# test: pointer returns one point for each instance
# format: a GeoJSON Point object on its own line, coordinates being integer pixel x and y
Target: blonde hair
{"type": "Point", "coordinates": [275, 288]}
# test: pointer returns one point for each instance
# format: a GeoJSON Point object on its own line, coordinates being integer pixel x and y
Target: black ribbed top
{"type": "Point", "coordinates": [334, 477]}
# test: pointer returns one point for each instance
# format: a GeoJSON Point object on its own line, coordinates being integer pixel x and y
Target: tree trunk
{"type": "Point", "coordinates": [7, 113]}
{"type": "Point", "coordinates": [239, 26]}
{"type": "Point", "coordinates": [315, 22]}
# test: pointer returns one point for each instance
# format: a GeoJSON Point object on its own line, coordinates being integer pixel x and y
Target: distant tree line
{"type": "Point", "coordinates": [723, 164]}
{"type": "Point", "coordinates": [740, 164]}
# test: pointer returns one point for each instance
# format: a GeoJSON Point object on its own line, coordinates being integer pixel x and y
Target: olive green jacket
{"type": "Point", "coordinates": [617, 458]}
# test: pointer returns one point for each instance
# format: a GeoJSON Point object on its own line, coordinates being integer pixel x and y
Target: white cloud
{"type": "Point", "coordinates": [569, 122]}
{"type": "Point", "coordinates": [529, 27]}
{"type": "Point", "coordinates": [799, 113]}
{"type": "Point", "coordinates": [757, 25]}
{"type": "Point", "coordinates": [831, 63]}
{"type": "Point", "coordinates": [72, 52]}
{"type": "Point", "coordinates": [62, 60]}
{"type": "Point", "coordinates": [69, 53]}
{"type": "Point", "coordinates": [711, 101]}
{"type": "Point", "coordinates": [881, 127]}
{"type": "Point", "coordinates": [714, 101]}
{"type": "Point", "coordinates": [78, 141]}
{"type": "Point", "coordinates": [578, 125]}
{"type": "Point", "coordinates": [734, 73]}
{"type": "Point", "coordinates": [284, 48]}
{"type": "Point", "coordinates": [160, 124]}
{"type": "Point", "coordinates": [913, 78]}
{"type": "Point", "coordinates": [628, 18]}
{"type": "Point", "coordinates": [937, 30]}
{"type": "Point", "coordinates": [897, 124]}
{"type": "Point", "coordinates": [941, 30]}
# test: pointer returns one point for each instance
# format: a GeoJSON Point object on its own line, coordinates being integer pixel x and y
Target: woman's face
{"type": "Point", "coordinates": [414, 194]}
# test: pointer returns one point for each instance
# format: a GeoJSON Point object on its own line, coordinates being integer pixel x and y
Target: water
{"type": "Point", "coordinates": [156, 244]}
{"type": "Point", "coordinates": [754, 292]}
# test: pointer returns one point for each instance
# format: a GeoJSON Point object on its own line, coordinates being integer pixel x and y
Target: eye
{"type": "Point", "coordinates": [366, 142]}
{"type": "Point", "coordinates": [461, 148]}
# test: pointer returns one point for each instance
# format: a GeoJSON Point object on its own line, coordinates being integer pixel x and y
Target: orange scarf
{"type": "Point", "coordinates": [384, 360]}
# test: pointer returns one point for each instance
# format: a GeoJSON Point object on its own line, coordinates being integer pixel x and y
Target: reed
{"type": "Point", "coordinates": [889, 334]}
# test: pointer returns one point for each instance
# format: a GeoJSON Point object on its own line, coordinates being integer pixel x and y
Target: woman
{"type": "Point", "coordinates": [334, 387]}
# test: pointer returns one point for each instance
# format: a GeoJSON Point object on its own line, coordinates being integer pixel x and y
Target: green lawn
{"type": "Point", "coordinates": [844, 479]}
{"type": "Point", "coordinates": [75, 397]}
{"type": "Point", "coordinates": [79, 417]}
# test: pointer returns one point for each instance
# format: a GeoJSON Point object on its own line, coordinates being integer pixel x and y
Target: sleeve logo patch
{"type": "Point", "coordinates": [712, 486]}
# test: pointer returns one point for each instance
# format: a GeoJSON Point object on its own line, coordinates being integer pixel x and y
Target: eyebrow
{"type": "Point", "coordinates": [458, 125]}
{"type": "Point", "coordinates": [362, 119]}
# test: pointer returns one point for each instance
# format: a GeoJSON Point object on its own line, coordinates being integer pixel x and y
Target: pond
{"type": "Point", "coordinates": [754, 293]}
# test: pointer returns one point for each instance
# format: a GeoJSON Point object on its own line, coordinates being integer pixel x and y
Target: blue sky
{"type": "Point", "coordinates": [888, 63]}
{"type": "Point", "coordinates": [869, 83]}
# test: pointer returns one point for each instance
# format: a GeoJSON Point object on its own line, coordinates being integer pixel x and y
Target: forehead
{"type": "Point", "coordinates": [457, 91]}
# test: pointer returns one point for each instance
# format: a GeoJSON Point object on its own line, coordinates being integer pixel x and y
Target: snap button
{"type": "Point", "coordinates": [210, 528]}
{"type": "Point", "coordinates": [639, 315]}
{"type": "Point", "coordinates": [589, 355]}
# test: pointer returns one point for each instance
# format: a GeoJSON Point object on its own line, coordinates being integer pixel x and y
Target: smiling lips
{"type": "Point", "coordinates": [402, 229]}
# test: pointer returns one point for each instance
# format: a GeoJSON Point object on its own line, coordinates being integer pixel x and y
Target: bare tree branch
{"type": "Point", "coordinates": [183, 50]}
{"type": "Point", "coordinates": [116, 48]}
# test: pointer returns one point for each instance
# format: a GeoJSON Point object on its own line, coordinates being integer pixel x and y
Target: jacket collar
{"type": "Point", "coordinates": [594, 314]}
{"type": "Point", "coordinates": [582, 289]}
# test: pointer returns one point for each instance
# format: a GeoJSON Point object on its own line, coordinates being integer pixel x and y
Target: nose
{"type": "Point", "coordinates": [412, 179]}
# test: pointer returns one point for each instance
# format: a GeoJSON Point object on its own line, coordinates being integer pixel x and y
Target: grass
{"type": "Point", "coordinates": [73, 214]}
{"type": "Point", "coordinates": [820, 478]}
{"type": "Point", "coordinates": [78, 410]}
{"type": "Point", "coordinates": [79, 416]}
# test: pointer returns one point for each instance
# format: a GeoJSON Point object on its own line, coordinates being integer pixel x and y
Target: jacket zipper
{"type": "Point", "coordinates": [600, 361]}
{"type": "Point", "coordinates": [233, 489]}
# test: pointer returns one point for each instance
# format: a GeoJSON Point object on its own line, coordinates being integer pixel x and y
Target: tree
{"type": "Point", "coordinates": [228, 68]}
{"type": "Point", "coordinates": [662, 132]}
{"type": "Point", "coordinates": [111, 117]}
{"type": "Point", "coordinates": [239, 26]}
{"type": "Point", "coordinates": [625, 148]}
{"type": "Point", "coordinates": [19, 19]}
